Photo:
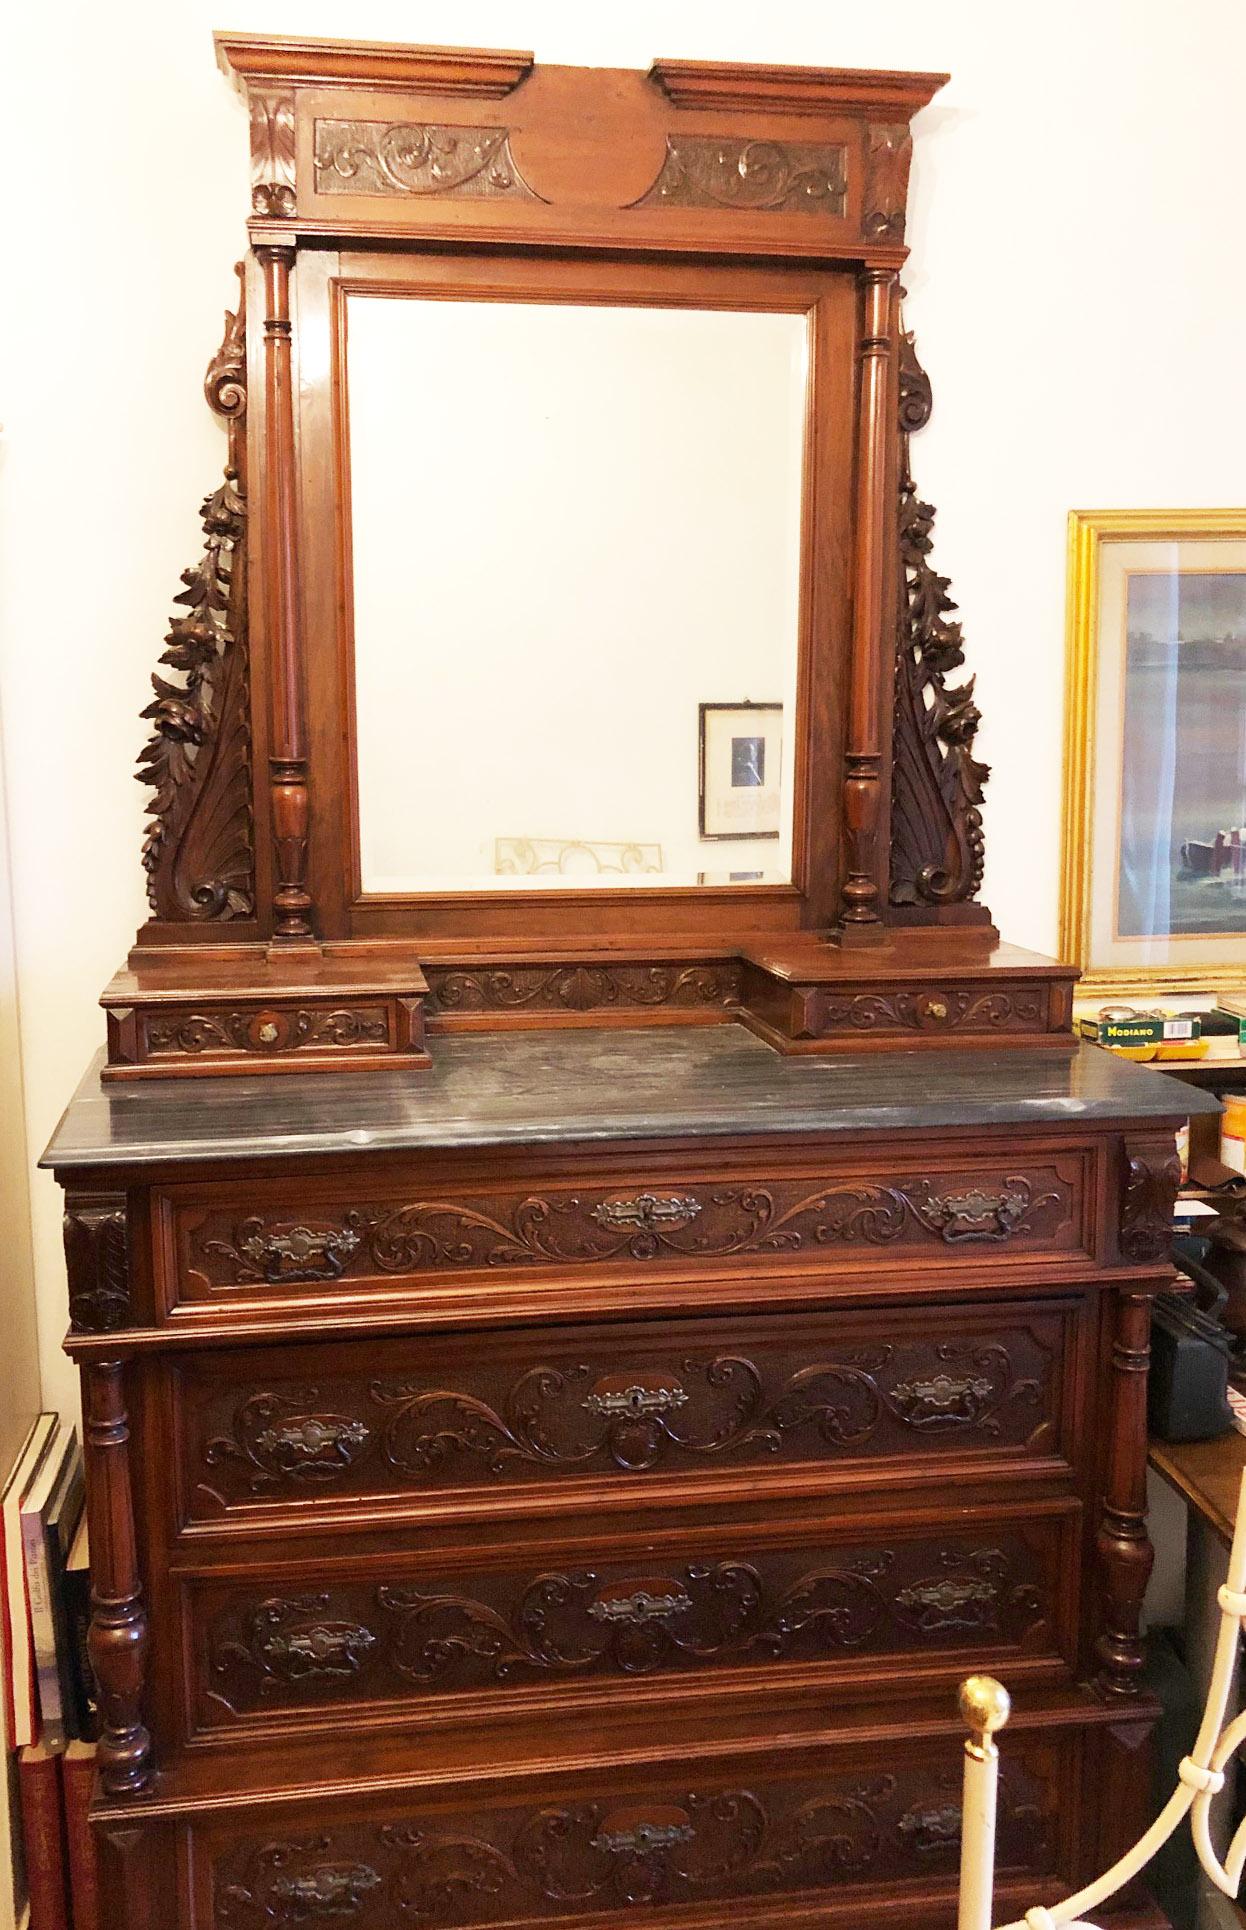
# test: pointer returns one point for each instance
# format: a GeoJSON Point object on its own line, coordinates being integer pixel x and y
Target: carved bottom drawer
{"type": "Point", "coordinates": [815, 1834]}
{"type": "Point", "coordinates": [805, 1603]}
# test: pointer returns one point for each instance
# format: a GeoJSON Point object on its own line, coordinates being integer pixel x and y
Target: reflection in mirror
{"type": "Point", "coordinates": [576, 538]}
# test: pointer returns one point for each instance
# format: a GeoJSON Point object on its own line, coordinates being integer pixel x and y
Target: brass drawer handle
{"type": "Point", "coordinates": [299, 1252]}
{"type": "Point", "coordinates": [635, 1402]}
{"type": "Point", "coordinates": [643, 1839]}
{"type": "Point", "coordinates": [632, 1611]}
{"type": "Point", "coordinates": [648, 1211]}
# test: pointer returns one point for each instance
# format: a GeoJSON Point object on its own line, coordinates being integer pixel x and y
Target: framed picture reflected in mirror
{"type": "Point", "coordinates": [741, 758]}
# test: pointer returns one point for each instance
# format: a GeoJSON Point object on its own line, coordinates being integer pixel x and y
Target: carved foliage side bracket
{"type": "Point", "coordinates": [198, 848]}
{"type": "Point", "coordinates": [937, 846]}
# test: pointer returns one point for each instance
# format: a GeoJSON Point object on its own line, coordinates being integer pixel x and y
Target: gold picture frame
{"type": "Point", "coordinates": [1176, 963]}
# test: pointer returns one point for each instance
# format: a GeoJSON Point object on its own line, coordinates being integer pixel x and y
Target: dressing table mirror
{"type": "Point", "coordinates": [519, 1452]}
{"type": "Point", "coordinates": [566, 646]}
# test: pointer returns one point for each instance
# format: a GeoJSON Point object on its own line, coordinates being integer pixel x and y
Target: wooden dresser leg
{"type": "Point", "coordinates": [118, 1636]}
{"type": "Point", "coordinates": [1125, 1552]}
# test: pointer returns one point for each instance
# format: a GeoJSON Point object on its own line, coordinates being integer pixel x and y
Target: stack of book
{"type": "Point", "coordinates": [49, 1693]}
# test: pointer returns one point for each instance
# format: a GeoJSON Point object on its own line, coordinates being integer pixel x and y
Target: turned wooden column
{"type": "Point", "coordinates": [118, 1636]}
{"type": "Point", "coordinates": [1150, 1178]}
{"type": "Point", "coordinates": [873, 611]}
{"type": "Point", "coordinates": [287, 764]}
{"type": "Point", "coordinates": [1125, 1552]}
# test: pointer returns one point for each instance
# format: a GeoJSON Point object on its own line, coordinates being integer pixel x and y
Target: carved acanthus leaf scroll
{"type": "Point", "coordinates": [381, 157]}
{"type": "Point", "coordinates": [773, 177]}
{"type": "Point", "coordinates": [937, 847]}
{"type": "Point", "coordinates": [197, 849]}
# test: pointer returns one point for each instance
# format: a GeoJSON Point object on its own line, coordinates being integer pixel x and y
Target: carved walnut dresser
{"type": "Point", "coordinates": [575, 1375]}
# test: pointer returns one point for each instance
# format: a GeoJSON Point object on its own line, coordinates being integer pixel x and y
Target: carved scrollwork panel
{"type": "Point", "coordinates": [773, 177]}
{"type": "Point", "coordinates": [766, 1218]}
{"type": "Point", "coordinates": [581, 988]}
{"type": "Point", "coordinates": [937, 1009]}
{"type": "Point", "coordinates": [434, 162]}
{"type": "Point", "coordinates": [565, 1417]}
{"type": "Point", "coordinates": [774, 1838]}
{"type": "Point", "coordinates": [402, 1640]}
{"type": "Point", "coordinates": [262, 1030]}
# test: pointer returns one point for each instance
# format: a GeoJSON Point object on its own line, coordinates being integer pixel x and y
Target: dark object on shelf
{"type": "Point", "coordinates": [1190, 1356]}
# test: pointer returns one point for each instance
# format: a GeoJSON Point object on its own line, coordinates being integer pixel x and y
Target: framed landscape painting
{"type": "Point", "coordinates": [1154, 875]}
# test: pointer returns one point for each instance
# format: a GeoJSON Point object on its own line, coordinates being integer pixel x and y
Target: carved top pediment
{"type": "Point", "coordinates": [277, 59]}
{"type": "Point", "coordinates": [795, 90]}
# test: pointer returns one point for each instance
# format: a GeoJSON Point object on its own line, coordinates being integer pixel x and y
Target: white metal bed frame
{"type": "Point", "coordinates": [985, 1707]}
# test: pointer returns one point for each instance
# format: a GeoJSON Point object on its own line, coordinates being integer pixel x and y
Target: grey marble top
{"type": "Point", "coordinates": [658, 1083]}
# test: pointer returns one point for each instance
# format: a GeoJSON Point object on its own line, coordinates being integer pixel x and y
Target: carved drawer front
{"type": "Point", "coordinates": [817, 1827]}
{"type": "Point", "coordinates": [517, 1421]}
{"type": "Point", "coordinates": [810, 1602]}
{"type": "Point", "coordinates": [303, 1240]}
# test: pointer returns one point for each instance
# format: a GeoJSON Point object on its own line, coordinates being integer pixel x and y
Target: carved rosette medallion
{"type": "Point", "coordinates": [434, 162]}
{"type": "Point", "coordinates": [937, 845]}
{"type": "Point", "coordinates": [770, 177]}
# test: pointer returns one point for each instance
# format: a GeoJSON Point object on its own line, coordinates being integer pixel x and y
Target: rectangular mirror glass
{"type": "Point", "coordinates": [575, 539]}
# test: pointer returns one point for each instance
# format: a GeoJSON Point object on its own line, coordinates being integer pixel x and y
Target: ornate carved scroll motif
{"type": "Point", "coordinates": [937, 846]}
{"type": "Point", "coordinates": [1152, 1176]}
{"type": "Point", "coordinates": [97, 1262]}
{"type": "Point", "coordinates": [581, 988]}
{"type": "Point", "coordinates": [198, 848]}
{"type": "Point", "coordinates": [272, 154]}
{"type": "Point", "coordinates": [887, 158]}
{"type": "Point", "coordinates": [499, 1231]}
{"type": "Point", "coordinates": [301, 1651]}
{"type": "Point", "coordinates": [771, 177]}
{"type": "Point", "coordinates": [380, 157]}
{"type": "Point", "coordinates": [625, 1854]}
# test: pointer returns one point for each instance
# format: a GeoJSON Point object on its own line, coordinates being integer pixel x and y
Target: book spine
{"type": "Point", "coordinates": [78, 1615]}
{"type": "Point", "coordinates": [43, 1839]}
{"type": "Point", "coordinates": [79, 1774]}
{"type": "Point", "coordinates": [43, 1629]}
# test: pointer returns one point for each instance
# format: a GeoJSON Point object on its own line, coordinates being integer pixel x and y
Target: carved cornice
{"type": "Point", "coordinates": [275, 58]}
{"type": "Point", "coordinates": [97, 1262]}
{"type": "Point", "coordinates": [793, 90]}
{"type": "Point", "coordinates": [197, 849]}
{"type": "Point", "coordinates": [937, 845]}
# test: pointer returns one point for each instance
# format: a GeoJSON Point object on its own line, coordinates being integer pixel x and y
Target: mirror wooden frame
{"type": "Point", "coordinates": [705, 184]}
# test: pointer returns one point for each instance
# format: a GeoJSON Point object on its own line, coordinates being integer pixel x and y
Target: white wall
{"type": "Point", "coordinates": [1078, 286]}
